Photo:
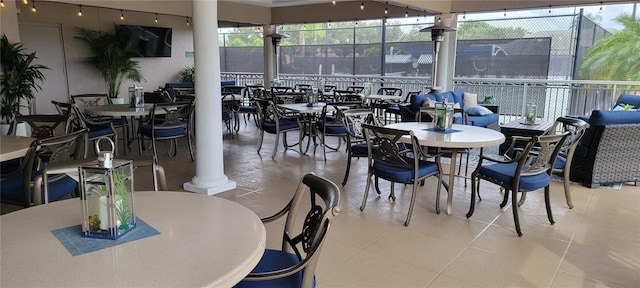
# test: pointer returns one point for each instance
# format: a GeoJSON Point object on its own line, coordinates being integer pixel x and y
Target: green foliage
{"type": "Point", "coordinates": [112, 56]}
{"type": "Point", "coordinates": [20, 77]}
{"type": "Point", "coordinates": [482, 30]}
{"type": "Point", "coordinates": [187, 74]}
{"type": "Point", "coordinates": [617, 56]}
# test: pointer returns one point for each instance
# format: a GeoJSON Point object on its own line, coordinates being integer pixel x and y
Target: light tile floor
{"type": "Point", "coordinates": [596, 244]}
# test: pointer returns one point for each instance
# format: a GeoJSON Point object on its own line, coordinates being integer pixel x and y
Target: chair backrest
{"type": "Point", "coordinates": [61, 148]}
{"type": "Point", "coordinates": [281, 89]}
{"type": "Point", "coordinates": [539, 155]}
{"type": "Point", "coordinates": [409, 94]}
{"type": "Point", "coordinates": [254, 91]}
{"type": "Point", "coordinates": [319, 199]}
{"type": "Point", "coordinates": [345, 96]}
{"type": "Point", "coordinates": [354, 119]}
{"type": "Point", "coordinates": [235, 90]}
{"type": "Point", "coordinates": [384, 146]}
{"type": "Point", "coordinates": [43, 126]}
{"type": "Point", "coordinates": [575, 126]}
{"type": "Point", "coordinates": [288, 97]}
{"type": "Point", "coordinates": [266, 112]}
{"type": "Point", "coordinates": [391, 91]}
{"type": "Point", "coordinates": [175, 115]}
{"type": "Point", "coordinates": [301, 87]}
{"type": "Point", "coordinates": [90, 100]}
{"type": "Point", "coordinates": [329, 88]}
{"type": "Point", "coordinates": [355, 89]}
{"type": "Point", "coordinates": [155, 97]}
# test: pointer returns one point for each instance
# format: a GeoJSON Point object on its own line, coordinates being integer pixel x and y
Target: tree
{"type": "Point", "coordinates": [482, 30]}
{"type": "Point", "coordinates": [112, 56]}
{"type": "Point", "coordinates": [617, 56]}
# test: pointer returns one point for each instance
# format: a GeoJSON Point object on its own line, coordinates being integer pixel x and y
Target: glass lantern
{"type": "Point", "coordinates": [107, 199]}
{"type": "Point", "coordinates": [443, 118]}
{"type": "Point", "coordinates": [531, 112]}
{"type": "Point", "coordinates": [136, 97]}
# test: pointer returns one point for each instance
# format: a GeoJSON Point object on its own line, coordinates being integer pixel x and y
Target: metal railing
{"type": "Point", "coordinates": [553, 98]}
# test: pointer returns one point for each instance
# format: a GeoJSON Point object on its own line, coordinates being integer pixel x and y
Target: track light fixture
{"type": "Point", "coordinates": [80, 11]}
{"type": "Point", "coordinates": [2, 3]}
{"type": "Point", "coordinates": [156, 20]}
{"type": "Point", "coordinates": [505, 12]}
{"type": "Point", "coordinates": [25, 2]}
{"type": "Point", "coordinates": [121, 15]}
{"type": "Point", "coordinates": [33, 6]}
{"type": "Point", "coordinates": [333, 2]}
{"type": "Point", "coordinates": [406, 12]}
{"type": "Point", "coordinates": [464, 15]}
{"type": "Point", "coordinates": [600, 11]}
{"type": "Point", "coordinates": [188, 22]}
{"type": "Point", "coordinates": [362, 5]}
{"type": "Point", "coordinates": [386, 8]}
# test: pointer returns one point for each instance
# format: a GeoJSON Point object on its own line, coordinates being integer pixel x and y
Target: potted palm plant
{"type": "Point", "coordinates": [112, 56]}
{"type": "Point", "coordinates": [20, 79]}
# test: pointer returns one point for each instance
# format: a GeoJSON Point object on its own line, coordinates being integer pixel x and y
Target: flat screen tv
{"type": "Point", "coordinates": [151, 41]}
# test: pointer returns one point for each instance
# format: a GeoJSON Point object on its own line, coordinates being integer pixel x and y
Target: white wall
{"type": "Point", "coordinates": [83, 78]}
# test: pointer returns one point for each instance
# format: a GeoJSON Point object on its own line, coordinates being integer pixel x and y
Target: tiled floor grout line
{"type": "Point", "coordinates": [467, 246]}
{"type": "Point", "coordinates": [566, 250]}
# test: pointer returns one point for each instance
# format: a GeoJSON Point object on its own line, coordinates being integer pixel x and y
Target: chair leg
{"type": "Point", "coordinates": [366, 192]}
{"type": "Point", "coordinates": [413, 201]}
{"type": "Point", "coordinates": [275, 147]}
{"type": "Point", "coordinates": [162, 179]}
{"type": "Point", "coordinates": [474, 187]}
{"type": "Point", "coordinates": [261, 138]}
{"type": "Point", "coordinates": [547, 203]}
{"type": "Point", "coordinates": [346, 172]}
{"type": "Point", "coordinates": [567, 192]}
{"type": "Point", "coordinates": [505, 199]}
{"type": "Point", "coordinates": [523, 197]}
{"type": "Point", "coordinates": [438, 193]}
{"type": "Point", "coordinates": [190, 146]}
{"type": "Point", "coordinates": [514, 207]}
{"type": "Point", "coordinates": [392, 195]}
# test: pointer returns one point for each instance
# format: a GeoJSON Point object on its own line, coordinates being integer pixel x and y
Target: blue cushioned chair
{"type": "Point", "coordinates": [527, 169]}
{"type": "Point", "coordinates": [352, 120]}
{"type": "Point", "coordinates": [331, 124]}
{"type": "Point", "coordinates": [97, 128]}
{"type": "Point", "coordinates": [273, 121]}
{"type": "Point", "coordinates": [295, 264]}
{"type": "Point", "coordinates": [167, 121]}
{"type": "Point", "coordinates": [18, 186]}
{"type": "Point", "coordinates": [399, 163]}
{"type": "Point", "coordinates": [248, 104]}
{"type": "Point", "coordinates": [576, 128]}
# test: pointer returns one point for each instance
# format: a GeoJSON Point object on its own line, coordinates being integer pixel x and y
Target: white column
{"type": "Point", "coordinates": [447, 58]}
{"type": "Point", "coordinates": [210, 178]}
{"type": "Point", "coordinates": [269, 55]}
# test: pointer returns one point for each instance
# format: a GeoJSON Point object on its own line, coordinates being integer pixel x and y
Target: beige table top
{"type": "Point", "coordinates": [468, 137]}
{"type": "Point", "coordinates": [12, 147]}
{"type": "Point", "coordinates": [304, 109]}
{"type": "Point", "coordinates": [120, 110]}
{"type": "Point", "coordinates": [204, 241]}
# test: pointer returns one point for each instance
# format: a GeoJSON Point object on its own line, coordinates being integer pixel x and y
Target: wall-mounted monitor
{"type": "Point", "coordinates": [151, 41]}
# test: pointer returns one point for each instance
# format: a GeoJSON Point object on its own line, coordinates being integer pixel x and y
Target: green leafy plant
{"type": "Point", "coordinates": [627, 107]}
{"type": "Point", "coordinates": [186, 74]}
{"type": "Point", "coordinates": [112, 56]}
{"type": "Point", "coordinates": [20, 77]}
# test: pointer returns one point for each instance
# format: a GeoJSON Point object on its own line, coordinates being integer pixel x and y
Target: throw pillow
{"type": "Point", "coordinates": [469, 100]}
{"type": "Point", "coordinates": [429, 103]}
{"type": "Point", "coordinates": [477, 111]}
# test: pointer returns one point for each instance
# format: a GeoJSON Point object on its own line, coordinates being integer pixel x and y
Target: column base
{"type": "Point", "coordinates": [210, 188]}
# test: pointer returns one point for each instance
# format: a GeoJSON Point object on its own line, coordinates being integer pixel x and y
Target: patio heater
{"type": "Point", "coordinates": [276, 38]}
{"type": "Point", "coordinates": [437, 36]}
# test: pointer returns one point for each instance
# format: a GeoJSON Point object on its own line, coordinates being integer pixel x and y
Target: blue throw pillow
{"type": "Point", "coordinates": [478, 111]}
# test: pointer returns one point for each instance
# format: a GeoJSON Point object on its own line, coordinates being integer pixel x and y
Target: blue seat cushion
{"type": "Point", "coordinates": [602, 117]}
{"type": "Point", "coordinates": [248, 109]}
{"type": "Point", "coordinates": [331, 127]}
{"type": "Point", "coordinates": [162, 133]}
{"type": "Point", "coordinates": [633, 100]}
{"type": "Point", "coordinates": [561, 162]}
{"type": "Point", "coordinates": [483, 121]}
{"type": "Point", "coordinates": [401, 174]}
{"type": "Point", "coordinates": [273, 260]}
{"type": "Point", "coordinates": [13, 188]}
{"type": "Point", "coordinates": [506, 172]}
{"type": "Point", "coordinates": [270, 127]}
{"type": "Point", "coordinates": [226, 115]}
{"type": "Point", "coordinates": [359, 150]}
{"type": "Point", "coordinates": [98, 131]}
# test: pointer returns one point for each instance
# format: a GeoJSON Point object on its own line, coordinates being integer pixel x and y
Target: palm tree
{"type": "Point", "coordinates": [615, 57]}
{"type": "Point", "coordinates": [112, 56]}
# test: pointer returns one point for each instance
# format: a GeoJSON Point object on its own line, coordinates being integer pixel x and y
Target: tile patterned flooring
{"type": "Point", "coordinates": [595, 244]}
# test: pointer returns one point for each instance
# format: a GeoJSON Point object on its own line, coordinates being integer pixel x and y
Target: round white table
{"type": "Point", "coordinates": [466, 137]}
{"type": "Point", "coordinates": [12, 147]}
{"type": "Point", "coordinates": [204, 241]}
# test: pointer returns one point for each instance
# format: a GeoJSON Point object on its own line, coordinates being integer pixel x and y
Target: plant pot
{"type": "Point", "coordinates": [21, 129]}
{"type": "Point", "coordinates": [117, 100]}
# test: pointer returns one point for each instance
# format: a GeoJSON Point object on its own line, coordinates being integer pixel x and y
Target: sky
{"type": "Point", "coordinates": [608, 13]}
